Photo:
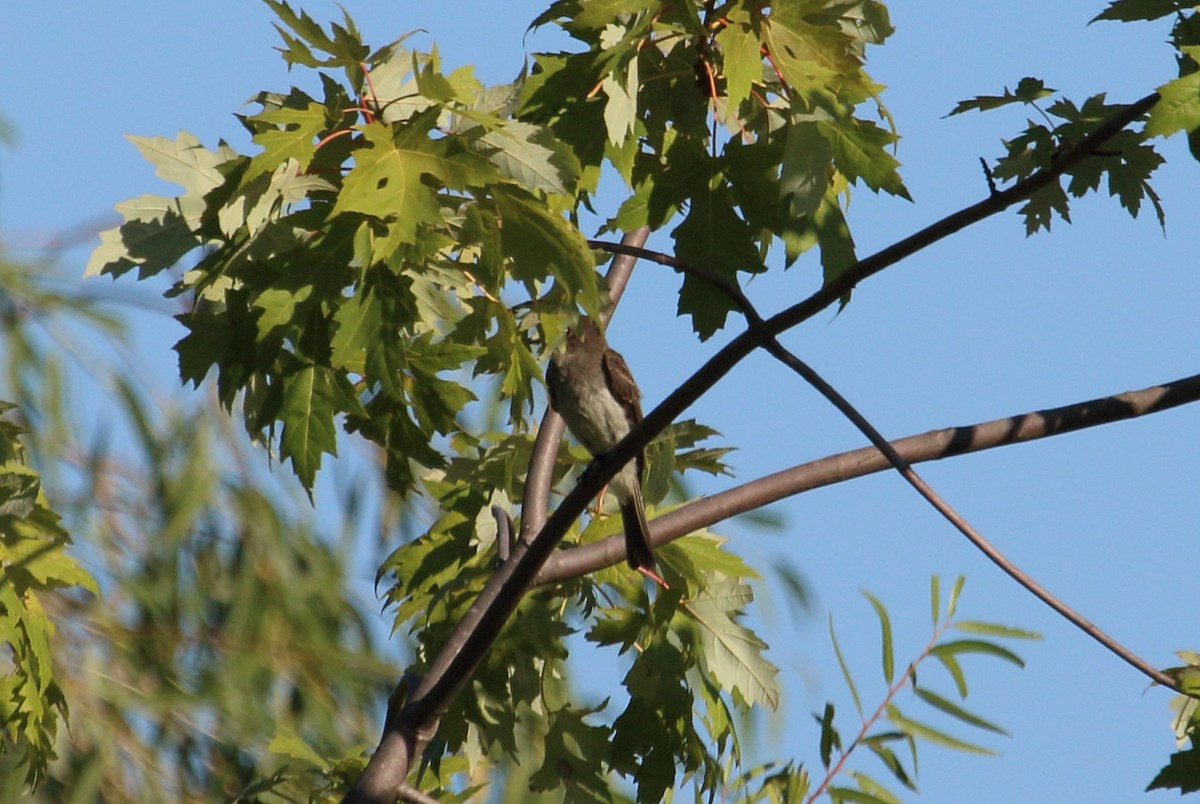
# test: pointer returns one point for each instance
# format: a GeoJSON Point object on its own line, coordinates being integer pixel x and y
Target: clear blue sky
{"type": "Point", "coordinates": [987, 324]}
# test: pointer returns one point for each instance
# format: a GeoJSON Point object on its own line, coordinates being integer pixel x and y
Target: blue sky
{"type": "Point", "coordinates": [986, 324]}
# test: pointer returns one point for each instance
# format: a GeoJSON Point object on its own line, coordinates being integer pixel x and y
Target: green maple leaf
{"type": "Point", "coordinates": [542, 244]}
{"type": "Point", "coordinates": [715, 238]}
{"type": "Point", "coordinates": [1182, 772]}
{"type": "Point", "coordinates": [527, 155]}
{"type": "Point", "coordinates": [813, 58]}
{"type": "Point", "coordinates": [741, 58]}
{"type": "Point", "coordinates": [1179, 107]}
{"type": "Point", "coordinates": [1028, 91]}
{"type": "Point", "coordinates": [309, 402]}
{"type": "Point", "coordinates": [386, 180]}
{"type": "Point", "coordinates": [596, 14]}
{"type": "Point", "coordinates": [1130, 10]}
{"type": "Point", "coordinates": [184, 161]}
{"type": "Point", "coordinates": [156, 234]}
{"type": "Point", "coordinates": [359, 321]}
{"type": "Point", "coordinates": [732, 652]}
{"type": "Point", "coordinates": [293, 135]}
{"type": "Point", "coordinates": [860, 151]}
{"type": "Point", "coordinates": [397, 178]}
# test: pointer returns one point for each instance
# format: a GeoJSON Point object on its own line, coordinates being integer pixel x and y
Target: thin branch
{"type": "Point", "coordinates": [742, 345]}
{"type": "Point", "coordinates": [892, 691]}
{"type": "Point", "coordinates": [960, 523]}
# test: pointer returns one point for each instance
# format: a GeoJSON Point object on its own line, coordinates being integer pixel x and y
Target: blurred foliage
{"type": "Point", "coordinates": [223, 617]}
{"type": "Point", "coordinates": [392, 262]}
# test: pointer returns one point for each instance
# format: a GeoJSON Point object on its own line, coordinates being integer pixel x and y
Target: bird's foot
{"type": "Point", "coordinates": [654, 576]}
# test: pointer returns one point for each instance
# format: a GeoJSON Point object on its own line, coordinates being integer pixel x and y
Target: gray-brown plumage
{"type": "Point", "coordinates": [591, 387]}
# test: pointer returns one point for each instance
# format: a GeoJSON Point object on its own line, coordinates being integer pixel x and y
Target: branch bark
{"type": "Point", "coordinates": [933, 445]}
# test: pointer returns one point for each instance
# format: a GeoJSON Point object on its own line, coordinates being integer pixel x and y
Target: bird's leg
{"type": "Point", "coordinates": [596, 465]}
{"type": "Point", "coordinates": [652, 575]}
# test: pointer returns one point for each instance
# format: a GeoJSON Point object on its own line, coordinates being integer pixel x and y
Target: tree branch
{"type": "Point", "coordinates": [934, 445]}
{"type": "Point", "coordinates": [742, 345]}
{"type": "Point", "coordinates": [960, 523]}
{"type": "Point", "coordinates": [410, 725]}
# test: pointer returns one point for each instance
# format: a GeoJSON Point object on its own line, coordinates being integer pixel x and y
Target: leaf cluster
{"type": "Point", "coordinates": [903, 730]}
{"type": "Point", "coordinates": [1182, 771]}
{"type": "Point", "coordinates": [33, 565]}
{"type": "Point", "coordinates": [224, 615]}
{"type": "Point", "coordinates": [734, 122]}
{"type": "Point", "coordinates": [1126, 162]}
{"type": "Point", "coordinates": [354, 266]}
{"type": "Point", "coordinates": [1128, 159]}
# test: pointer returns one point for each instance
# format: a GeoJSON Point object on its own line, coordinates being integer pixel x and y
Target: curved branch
{"type": "Point", "coordinates": [961, 524]}
{"type": "Point", "coordinates": [930, 446]}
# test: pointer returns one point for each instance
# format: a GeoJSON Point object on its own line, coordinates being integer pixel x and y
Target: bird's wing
{"type": "Point", "coordinates": [625, 390]}
{"type": "Point", "coordinates": [620, 382]}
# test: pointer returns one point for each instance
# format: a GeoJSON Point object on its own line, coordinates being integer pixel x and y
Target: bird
{"type": "Point", "coordinates": [591, 387]}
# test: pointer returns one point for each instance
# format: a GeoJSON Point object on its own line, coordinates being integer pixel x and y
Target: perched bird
{"type": "Point", "coordinates": [591, 387]}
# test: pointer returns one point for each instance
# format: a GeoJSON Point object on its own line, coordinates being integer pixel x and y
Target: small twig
{"type": "Point", "coordinates": [367, 113]}
{"type": "Point", "coordinates": [892, 691]}
{"type": "Point", "coordinates": [987, 174]}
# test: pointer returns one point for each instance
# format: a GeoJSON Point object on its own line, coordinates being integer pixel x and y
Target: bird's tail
{"type": "Point", "coordinates": [638, 551]}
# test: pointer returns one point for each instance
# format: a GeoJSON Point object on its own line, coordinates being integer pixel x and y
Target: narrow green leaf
{"type": "Point", "coordinates": [837, 651]}
{"type": "Point", "coordinates": [930, 734]}
{"type": "Point", "coordinates": [956, 711]}
{"type": "Point", "coordinates": [956, 672]}
{"type": "Point", "coordinates": [889, 759]}
{"type": "Point", "coordinates": [838, 794]}
{"type": "Point", "coordinates": [952, 605]}
{"type": "Point", "coordinates": [885, 628]}
{"type": "Point", "coordinates": [996, 630]}
{"type": "Point", "coordinates": [830, 739]}
{"type": "Point", "coordinates": [961, 646]}
{"type": "Point", "coordinates": [935, 605]}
